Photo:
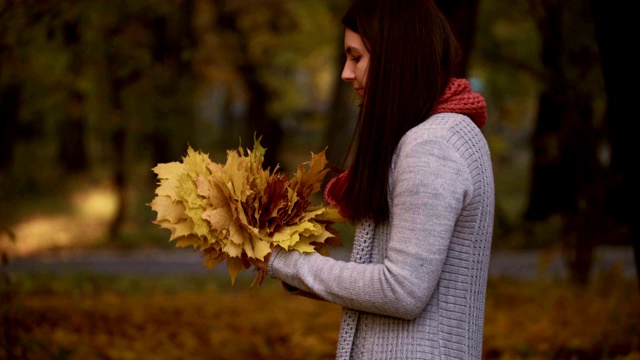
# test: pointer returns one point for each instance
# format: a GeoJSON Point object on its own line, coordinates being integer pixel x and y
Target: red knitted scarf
{"type": "Point", "coordinates": [457, 98]}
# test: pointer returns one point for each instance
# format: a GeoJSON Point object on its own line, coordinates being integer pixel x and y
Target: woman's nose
{"type": "Point", "coordinates": [347, 73]}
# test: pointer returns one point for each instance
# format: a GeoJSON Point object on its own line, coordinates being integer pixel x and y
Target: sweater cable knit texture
{"type": "Point", "coordinates": [416, 284]}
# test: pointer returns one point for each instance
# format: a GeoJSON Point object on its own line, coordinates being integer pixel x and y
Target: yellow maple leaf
{"type": "Point", "coordinates": [331, 214]}
{"type": "Point", "coordinates": [213, 258]}
{"type": "Point", "coordinates": [219, 218]}
{"type": "Point", "coordinates": [179, 229]}
{"type": "Point", "coordinates": [188, 240]}
{"type": "Point", "coordinates": [304, 245]}
{"type": "Point", "coordinates": [168, 175]}
{"type": "Point", "coordinates": [206, 188]}
{"type": "Point", "coordinates": [233, 249]}
{"type": "Point", "coordinates": [173, 211]}
{"type": "Point", "coordinates": [234, 266]}
{"type": "Point", "coordinates": [260, 248]}
{"type": "Point", "coordinates": [310, 174]}
{"type": "Point", "coordinates": [236, 211]}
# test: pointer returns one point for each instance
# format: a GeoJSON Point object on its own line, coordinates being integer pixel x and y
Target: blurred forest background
{"type": "Point", "coordinates": [93, 94]}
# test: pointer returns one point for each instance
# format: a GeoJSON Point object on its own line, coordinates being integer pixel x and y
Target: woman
{"type": "Point", "coordinates": [419, 190]}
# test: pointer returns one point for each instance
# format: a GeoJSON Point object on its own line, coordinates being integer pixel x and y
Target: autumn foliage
{"type": "Point", "coordinates": [238, 211]}
{"type": "Point", "coordinates": [91, 317]}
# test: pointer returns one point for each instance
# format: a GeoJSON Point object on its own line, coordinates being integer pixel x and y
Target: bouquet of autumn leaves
{"type": "Point", "coordinates": [238, 211]}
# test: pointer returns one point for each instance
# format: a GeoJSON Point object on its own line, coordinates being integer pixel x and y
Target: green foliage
{"type": "Point", "coordinates": [107, 54]}
{"type": "Point", "coordinates": [145, 69]}
{"type": "Point", "coordinates": [506, 59]}
{"type": "Point", "coordinates": [168, 76]}
{"type": "Point", "coordinates": [291, 45]}
{"type": "Point", "coordinates": [506, 64]}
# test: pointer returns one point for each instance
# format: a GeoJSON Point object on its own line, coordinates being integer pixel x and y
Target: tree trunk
{"type": "Point", "coordinates": [259, 122]}
{"type": "Point", "coordinates": [566, 173]}
{"type": "Point", "coordinates": [462, 16]}
{"type": "Point", "coordinates": [118, 142]}
{"type": "Point", "coordinates": [72, 155]}
{"type": "Point", "coordinates": [619, 69]}
{"type": "Point", "coordinates": [10, 101]}
{"type": "Point", "coordinates": [173, 37]}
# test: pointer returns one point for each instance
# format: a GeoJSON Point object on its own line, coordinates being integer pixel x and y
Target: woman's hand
{"type": "Point", "coordinates": [262, 265]}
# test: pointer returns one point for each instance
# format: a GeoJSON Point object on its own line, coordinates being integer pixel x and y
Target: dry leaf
{"type": "Point", "coordinates": [237, 211]}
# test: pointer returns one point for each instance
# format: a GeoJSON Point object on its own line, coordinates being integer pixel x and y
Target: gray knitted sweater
{"type": "Point", "coordinates": [415, 286]}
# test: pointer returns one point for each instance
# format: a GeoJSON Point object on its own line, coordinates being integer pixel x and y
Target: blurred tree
{"type": "Point", "coordinates": [506, 70]}
{"type": "Point", "coordinates": [10, 99]}
{"type": "Point", "coordinates": [10, 95]}
{"type": "Point", "coordinates": [264, 64]}
{"type": "Point", "coordinates": [342, 114]}
{"type": "Point", "coordinates": [462, 16]}
{"type": "Point", "coordinates": [618, 70]}
{"type": "Point", "coordinates": [572, 148]}
{"type": "Point", "coordinates": [72, 154]}
{"type": "Point", "coordinates": [109, 88]}
{"type": "Point", "coordinates": [10, 92]}
{"type": "Point", "coordinates": [33, 65]}
{"type": "Point", "coordinates": [567, 173]}
{"type": "Point", "coordinates": [72, 75]}
{"type": "Point", "coordinates": [146, 44]}
{"type": "Point", "coordinates": [260, 121]}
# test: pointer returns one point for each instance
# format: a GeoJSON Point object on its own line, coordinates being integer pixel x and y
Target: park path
{"type": "Point", "coordinates": [167, 262]}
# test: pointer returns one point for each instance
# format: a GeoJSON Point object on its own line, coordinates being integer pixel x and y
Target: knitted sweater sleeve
{"type": "Point", "coordinates": [429, 185]}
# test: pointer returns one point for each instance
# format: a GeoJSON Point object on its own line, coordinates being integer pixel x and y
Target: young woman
{"type": "Point", "coordinates": [419, 190]}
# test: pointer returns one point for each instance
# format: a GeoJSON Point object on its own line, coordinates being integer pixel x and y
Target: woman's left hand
{"type": "Point", "coordinates": [262, 265]}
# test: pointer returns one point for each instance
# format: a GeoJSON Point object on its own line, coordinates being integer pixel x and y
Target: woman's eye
{"type": "Point", "coordinates": [355, 59]}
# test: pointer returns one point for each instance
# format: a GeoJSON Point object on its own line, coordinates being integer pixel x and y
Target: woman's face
{"type": "Point", "coordinates": [355, 69]}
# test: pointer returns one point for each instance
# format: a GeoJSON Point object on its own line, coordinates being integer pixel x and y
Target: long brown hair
{"type": "Point", "coordinates": [412, 57]}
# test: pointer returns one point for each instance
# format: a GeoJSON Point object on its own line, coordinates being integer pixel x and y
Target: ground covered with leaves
{"type": "Point", "coordinates": [85, 316]}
